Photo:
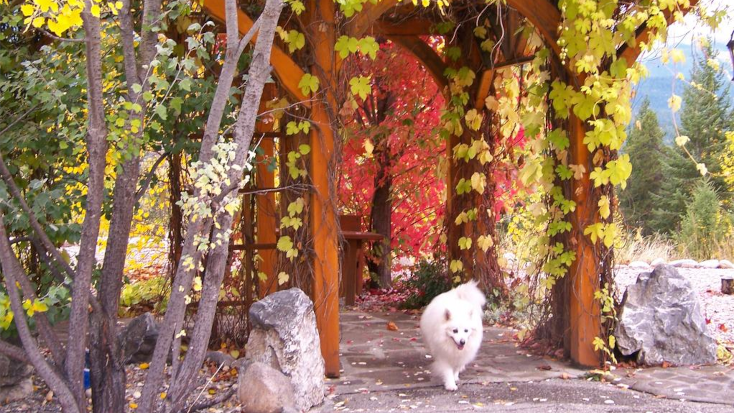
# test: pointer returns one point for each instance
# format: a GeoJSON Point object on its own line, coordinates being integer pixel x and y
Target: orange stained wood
{"type": "Point", "coordinates": [286, 70]}
{"type": "Point", "coordinates": [323, 216]}
{"type": "Point", "coordinates": [584, 311]}
{"type": "Point", "coordinates": [266, 202]}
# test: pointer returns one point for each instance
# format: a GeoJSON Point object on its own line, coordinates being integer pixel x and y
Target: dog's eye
{"type": "Point", "coordinates": [456, 330]}
{"type": "Point", "coordinates": [466, 330]}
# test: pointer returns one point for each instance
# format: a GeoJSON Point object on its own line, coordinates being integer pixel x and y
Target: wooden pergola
{"type": "Point", "coordinates": [393, 20]}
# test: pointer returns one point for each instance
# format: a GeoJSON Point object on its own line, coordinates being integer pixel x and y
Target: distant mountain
{"type": "Point", "coordinates": [662, 83]}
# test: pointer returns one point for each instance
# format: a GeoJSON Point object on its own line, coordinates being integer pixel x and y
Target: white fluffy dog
{"type": "Point", "coordinates": [452, 330]}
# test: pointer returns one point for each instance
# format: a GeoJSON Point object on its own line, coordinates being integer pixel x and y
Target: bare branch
{"type": "Point", "coordinates": [11, 268]}
{"type": "Point", "coordinates": [149, 177]}
{"type": "Point", "coordinates": [19, 118]}
{"type": "Point", "coordinates": [223, 397]}
{"type": "Point", "coordinates": [14, 352]}
{"type": "Point", "coordinates": [63, 39]}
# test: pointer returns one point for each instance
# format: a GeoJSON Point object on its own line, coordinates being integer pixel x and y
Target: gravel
{"type": "Point", "coordinates": [718, 308]}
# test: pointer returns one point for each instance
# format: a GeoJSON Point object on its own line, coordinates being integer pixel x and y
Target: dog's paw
{"type": "Point", "coordinates": [451, 386]}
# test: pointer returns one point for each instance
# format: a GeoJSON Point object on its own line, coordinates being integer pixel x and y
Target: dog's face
{"type": "Point", "coordinates": [458, 329]}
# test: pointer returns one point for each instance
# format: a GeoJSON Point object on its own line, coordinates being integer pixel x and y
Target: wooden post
{"type": "Point", "coordinates": [584, 311]}
{"type": "Point", "coordinates": [264, 178]}
{"type": "Point", "coordinates": [323, 215]}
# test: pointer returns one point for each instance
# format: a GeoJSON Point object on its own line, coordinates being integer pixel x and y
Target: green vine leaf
{"type": "Point", "coordinates": [308, 84]}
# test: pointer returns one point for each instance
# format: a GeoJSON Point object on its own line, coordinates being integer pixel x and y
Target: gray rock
{"type": "Point", "coordinates": [284, 336]}
{"type": "Point", "coordinates": [726, 264]}
{"type": "Point", "coordinates": [263, 389]}
{"type": "Point", "coordinates": [661, 319]}
{"type": "Point", "coordinates": [639, 265]}
{"type": "Point", "coordinates": [138, 339]}
{"type": "Point", "coordinates": [686, 263]}
{"type": "Point", "coordinates": [657, 261]}
{"type": "Point", "coordinates": [15, 379]}
{"type": "Point", "coordinates": [219, 358]}
{"type": "Point", "coordinates": [709, 264]}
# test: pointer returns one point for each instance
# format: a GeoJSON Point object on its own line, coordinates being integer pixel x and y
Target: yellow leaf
{"type": "Point", "coordinates": [133, 405]}
{"type": "Point", "coordinates": [27, 9]}
{"type": "Point", "coordinates": [369, 147]}
{"type": "Point", "coordinates": [491, 103]}
{"type": "Point", "coordinates": [95, 10]}
{"type": "Point", "coordinates": [163, 396]}
{"type": "Point", "coordinates": [144, 366]}
{"type": "Point", "coordinates": [485, 242]}
{"type": "Point", "coordinates": [118, 4]}
{"type": "Point", "coordinates": [682, 140]}
{"type": "Point", "coordinates": [478, 182]}
{"type": "Point", "coordinates": [45, 5]}
{"type": "Point", "coordinates": [38, 22]}
{"type": "Point", "coordinates": [283, 278]}
{"type": "Point", "coordinates": [678, 56]}
{"type": "Point", "coordinates": [674, 103]}
{"type": "Point", "coordinates": [604, 207]}
{"type": "Point", "coordinates": [197, 284]}
{"type": "Point", "coordinates": [39, 307]}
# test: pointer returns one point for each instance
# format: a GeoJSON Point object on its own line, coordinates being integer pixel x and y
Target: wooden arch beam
{"type": "Point", "coordinates": [541, 13]}
{"type": "Point", "coordinates": [286, 70]}
{"type": "Point", "coordinates": [426, 55]}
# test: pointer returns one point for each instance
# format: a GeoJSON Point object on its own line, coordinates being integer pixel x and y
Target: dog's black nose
{"type": "Point", "coordinates": [462, 342]}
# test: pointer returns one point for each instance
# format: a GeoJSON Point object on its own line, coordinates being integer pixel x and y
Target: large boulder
{"type": "Point", "coordinates": [138, 339]}
{"type": "Point", "coordinates": [263, 389]}
{"type": "Point", "coordinates": [661, 320]}
{"type": "Point", "coordinates": [15, 380]}
{"type": "Point", "coordinates": [284, 336]}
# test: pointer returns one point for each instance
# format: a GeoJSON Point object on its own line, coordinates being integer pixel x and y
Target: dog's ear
{"type": "Point", "coordinates": [447, 315]}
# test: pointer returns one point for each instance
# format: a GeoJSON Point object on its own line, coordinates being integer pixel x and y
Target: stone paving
{"type": "Point", "coordinates": [710, 384]}
{"type": "Point", "coordinates": [377, 359]}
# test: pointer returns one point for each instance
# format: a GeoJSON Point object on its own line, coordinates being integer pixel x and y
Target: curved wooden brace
{"type": "Point", "coordinates": [630, 54]}
{"type": "Point", "coordinates": [426, 55]}
{"type": "Point", "coordinates": [544, 16]}
{"type": "Point", "coordinates": [370, 13]}
{"type": "Point", "coordinates": [286, 70]}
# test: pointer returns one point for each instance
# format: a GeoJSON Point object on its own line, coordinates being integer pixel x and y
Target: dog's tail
{"type": "Point", "coordinates": [470, 292]}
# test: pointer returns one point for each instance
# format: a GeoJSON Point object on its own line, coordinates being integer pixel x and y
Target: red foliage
{"type": "Point", "coordinates": [405, 141]}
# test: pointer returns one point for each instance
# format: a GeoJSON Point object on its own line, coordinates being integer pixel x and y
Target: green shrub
{"type": "Point", "coordinates": [430, 279]}
{"type": "Point", "coordinates": [704, 228]}
{"type": "Point", "coordinates": [141, 296]}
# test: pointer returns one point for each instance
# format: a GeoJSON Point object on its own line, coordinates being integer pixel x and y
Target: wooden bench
{"type": "Point", "coordinates": [353, 258]}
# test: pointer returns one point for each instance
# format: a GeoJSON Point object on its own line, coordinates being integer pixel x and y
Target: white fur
{"type": "Point", "coordinates": [451, 317]}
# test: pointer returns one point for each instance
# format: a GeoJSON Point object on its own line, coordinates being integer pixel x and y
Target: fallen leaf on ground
{"type": "Point", "coordinates": [391, 326]}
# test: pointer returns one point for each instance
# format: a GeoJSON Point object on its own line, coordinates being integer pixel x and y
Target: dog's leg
{"type": "Point", "coordinates": [446, 373]}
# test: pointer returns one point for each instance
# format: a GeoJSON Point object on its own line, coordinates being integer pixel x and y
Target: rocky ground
{"type": "Point", "coordinates": [718, 308]}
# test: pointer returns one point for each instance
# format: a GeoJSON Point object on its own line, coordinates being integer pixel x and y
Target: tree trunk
{"type": "Point", "coordinates": [175, 222]}
{"type": "Point", "coordinates": [97, 149]}
{"type": "Point", "coordinates": [381, 219]}
{"type": "Point", "coordinates": [243, 130]}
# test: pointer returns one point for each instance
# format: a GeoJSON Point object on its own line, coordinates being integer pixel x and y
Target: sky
{"type": "Point", "coordinates": [683, 34]}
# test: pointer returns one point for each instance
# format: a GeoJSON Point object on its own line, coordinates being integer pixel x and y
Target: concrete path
{"type": "Point", "coordinates": [386, 370]}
